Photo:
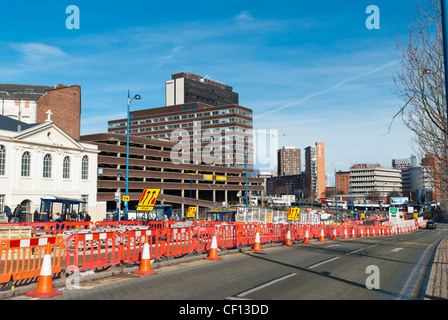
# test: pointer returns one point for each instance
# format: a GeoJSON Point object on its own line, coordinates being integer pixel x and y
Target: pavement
{"type": "Point", "coordinates": [437, 287]}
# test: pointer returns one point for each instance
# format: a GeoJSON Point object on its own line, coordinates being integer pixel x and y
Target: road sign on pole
{"type": "Point", "coordinates": [148, 200]}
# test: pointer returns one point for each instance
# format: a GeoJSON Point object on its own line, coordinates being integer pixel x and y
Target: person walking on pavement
{"type": "Point", "coordinates": [8, 213]}
{"type": "Point", "coordinates": [17, 213]}
{"type": "Point", "coordinates": [36, 216]}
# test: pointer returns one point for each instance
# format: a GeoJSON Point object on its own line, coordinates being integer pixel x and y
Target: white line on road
{"type": "Point", "coordinates": [321, 263]}
{"type": "Point", "coordinates": [355, 251]}
{"type": "Point", "coordinates": [245, 293]}
{"type": "Point", "coordinates": [396, 249]}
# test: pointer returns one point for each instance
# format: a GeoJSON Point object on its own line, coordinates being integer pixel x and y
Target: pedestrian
{"type": "Point", "coordinates": [87, 217]}
{"type": "Point", "coordinates": [36, 216]}
{"type": "Point", "coordinates": [8, 213]}
{"type": "Point", "coordinates": [57, 217]}
{"type": "Point", "coordinates": [17, 213]}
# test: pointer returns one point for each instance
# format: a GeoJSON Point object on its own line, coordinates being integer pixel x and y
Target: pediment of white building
{"type": "Point", "coordinates": [48, 134]}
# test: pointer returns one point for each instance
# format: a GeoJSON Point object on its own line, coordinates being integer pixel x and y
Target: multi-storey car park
{"type": "Point", "coordinates": [151, 167]}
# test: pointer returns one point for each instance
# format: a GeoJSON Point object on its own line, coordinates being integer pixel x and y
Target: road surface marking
{"type": "Point", "coordinates": [321, 263]}
{"type": "Point", "coordinates": [245, 293]}
{"type": "Point", "coordinates": [355, 251]}
{"type": "Point", "coordinates": [396, 249]}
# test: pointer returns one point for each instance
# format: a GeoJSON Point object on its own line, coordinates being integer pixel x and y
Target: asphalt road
{"type": "Point", "coordinates": [376, 268]}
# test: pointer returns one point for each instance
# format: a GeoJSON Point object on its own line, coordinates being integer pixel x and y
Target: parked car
{"type": "Point", "coordinates": [430, 225]}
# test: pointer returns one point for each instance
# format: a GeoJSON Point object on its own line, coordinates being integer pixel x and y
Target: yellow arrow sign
{"type": "Point", "coordinates": [294, 214]}
{"type": "Point", "coordinates": [148, 199]}
{"type": "Point", "coordinates": [191, 213]}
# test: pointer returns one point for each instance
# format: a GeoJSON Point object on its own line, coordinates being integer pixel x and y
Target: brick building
{"type": "Point", "coordinates": [289, 161]}
{"type": "Point", "coordinates": [31, 103]}
{"type": "Point", "coordinates": [343, 182]}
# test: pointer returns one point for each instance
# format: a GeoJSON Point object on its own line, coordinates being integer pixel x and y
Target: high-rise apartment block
{"type": "Point", "coordinates": [315, 169]}
{"type": "Point", "coordinates": [289, 161]}
{"type": "Point", "coordinates": [186, 87]}
{"type": "Point", "coordinates": [217, 132]}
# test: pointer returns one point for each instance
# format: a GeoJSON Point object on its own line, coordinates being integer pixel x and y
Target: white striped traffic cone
{"type": "Point", "coordinates": [145, 262]}
{"type": "Point", "coordinates": [45, 283]}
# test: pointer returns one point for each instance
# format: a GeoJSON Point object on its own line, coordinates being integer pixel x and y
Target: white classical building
{"type": "Point", "coordinates": [38, 160]}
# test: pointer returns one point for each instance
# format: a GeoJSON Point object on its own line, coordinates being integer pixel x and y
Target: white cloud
{"type": "Point", "coordinates": [34, 52]}
{"type": "Point", "coordinates": [245, 16]}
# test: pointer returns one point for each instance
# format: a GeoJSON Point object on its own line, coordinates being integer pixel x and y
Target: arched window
{"type": "Point", "coordinates": [26, 164]}
{"type": "Point", "coordinates": [2, 160]}
{"type": "Point", "coordinates": [47, 166]}
{"type": "Point", "coordinates": [85, 168]}
{"type": "Point", "coordinates": [66, 168]}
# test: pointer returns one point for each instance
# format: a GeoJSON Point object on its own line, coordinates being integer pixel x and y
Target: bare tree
{"type": "Point", "coordinates": [420, 84]}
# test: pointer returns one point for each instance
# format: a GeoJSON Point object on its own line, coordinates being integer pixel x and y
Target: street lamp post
{"type": "Point", "coordinates": [445, 42]}
{"type": "Point", "coordinates": [136, 97]}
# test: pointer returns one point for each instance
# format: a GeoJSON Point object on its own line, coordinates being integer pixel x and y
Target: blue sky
{"type": "Point", "coordinates": [310, 69]}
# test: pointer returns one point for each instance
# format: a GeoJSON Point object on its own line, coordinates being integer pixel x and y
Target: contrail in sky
{"type": "Point", "coordinates": [339, 84]}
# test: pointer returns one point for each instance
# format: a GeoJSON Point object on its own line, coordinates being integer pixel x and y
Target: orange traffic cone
{"type": "Point", "coordinates": [361, 233]}
{"type": "Point", "coordinates": [368, 233]}
{"type": "Point", "coordinates": [45, 284]}
{"type": "Point", "coordinates": [307, 237]}
{"type": "Point", "coordinates": [288, 242]}
{"type": "Point", "coordinates": [353, 233]}
{"type": "Point", "coordinates": [322, 237]}
{"type": "Point", "coordinates": [257, 246]}
{"type": "Point", "coordinates": [345, 234]}
{"type": "Point", "coordinates": [334, 235]}
{"type": "Point", "coordinates": [213, 255]}
{"type": "Point", "coordinates": [145, 262]}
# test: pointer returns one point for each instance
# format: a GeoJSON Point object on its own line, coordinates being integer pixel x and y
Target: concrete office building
{"type": "Point", "coordinates": [203, 116]}
{"type": "Point", "coordinates": [417, 184]}
{"type": "Point", "coordinates": [374, 182]}
{"type": "Point", "coordinates": [186, 87]}
{"type": "Point", "coordinates": [289, 161]}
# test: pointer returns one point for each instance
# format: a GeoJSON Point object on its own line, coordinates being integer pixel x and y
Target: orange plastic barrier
{"type": "Point", "coordinates": [98, 249]}
{"type": "Point", "coordinates": [22, 258]}
{"type": "Point", "coordinates": [179, 241]}
{"type": "Point", "coordinates": [133, 241]}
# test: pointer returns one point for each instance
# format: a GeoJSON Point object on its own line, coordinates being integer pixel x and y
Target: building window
{"type": "Point", "coordinates": [66, 168]}
{"type": "Point", "coordinates": [84, 206]}
{"type": "Point", "coordinates": [2, 160]}
{"type": "Point", "coordinates": [47, 166]}
{"type": "Point", "coordinates": [2, 203]}
{"type": "Point", "coordinates": [26, 164]}
{"type": "Point", "coordinates": [85, 168]}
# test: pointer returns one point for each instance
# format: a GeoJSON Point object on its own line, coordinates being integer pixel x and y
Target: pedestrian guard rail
{"type": "Point", "coordinates": [100, 247]}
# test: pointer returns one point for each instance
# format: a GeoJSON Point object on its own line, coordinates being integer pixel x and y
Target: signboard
{"type": "Point", "coordinates": [208, 177]}
{"type": "Point", "coordinates": [221, 178]}
{"type": "Point", "coordinates": [117, 196]}
{"type": "Point", "coordinates": [125, 198]}
{"type": "Point", "coordinates": [294, 214]}
{"type": "Point", "coordinates": [148, 199]}
{"type": "Point", "coordinates": [399, 200]}
{"type": "Point", "coordinates": [191, 213]}
{"type": "Point", "coordinates": [269, 217]}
